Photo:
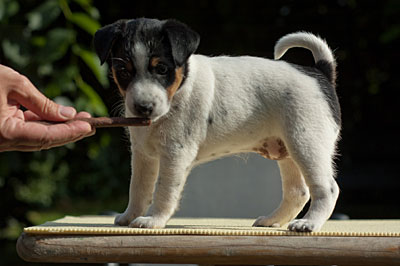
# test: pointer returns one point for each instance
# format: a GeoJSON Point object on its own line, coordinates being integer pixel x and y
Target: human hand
{"type": "Point", "coordinates": [21, 130]}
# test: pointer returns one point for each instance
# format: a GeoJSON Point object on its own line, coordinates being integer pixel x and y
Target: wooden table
{"type": "Point", "coordinates": [195, 249]}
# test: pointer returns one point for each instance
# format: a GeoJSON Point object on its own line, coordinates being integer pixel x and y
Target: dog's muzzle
{"type": "Point", "coordinates": [144, 109]}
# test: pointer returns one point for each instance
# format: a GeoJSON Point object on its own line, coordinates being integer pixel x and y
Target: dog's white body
{"type": "Point", "coordinates": [231, 105]}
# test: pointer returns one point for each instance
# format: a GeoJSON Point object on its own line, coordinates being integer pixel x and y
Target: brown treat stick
{"type": "Point", "coordinates": [99, 122]}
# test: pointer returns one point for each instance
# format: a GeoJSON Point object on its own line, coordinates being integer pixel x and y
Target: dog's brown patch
{"type": "Point", "coordinates": [272, 148]}
{"type": "Point", "coordinates": [154, 61]}
{"type": "Point", "coordinates": [171, 90]}
{"type": "Point", "coordinates": [121, 91]}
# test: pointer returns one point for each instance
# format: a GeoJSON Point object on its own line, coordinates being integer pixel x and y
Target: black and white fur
{"type": "Point", "coordinates": [204, 108]}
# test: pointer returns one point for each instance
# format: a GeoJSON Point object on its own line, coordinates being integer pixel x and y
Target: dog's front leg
{"type": "Point", "coordinates": [144, 175]}
{"type": "Point", "coordinates": [173, 172]}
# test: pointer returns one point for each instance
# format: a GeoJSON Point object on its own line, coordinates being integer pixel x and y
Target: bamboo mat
{"type": "Point", "coordinates": [103, 225]}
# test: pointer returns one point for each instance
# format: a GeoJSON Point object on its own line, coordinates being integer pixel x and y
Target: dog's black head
{"type": "Point", "coordinates": [148, 59]}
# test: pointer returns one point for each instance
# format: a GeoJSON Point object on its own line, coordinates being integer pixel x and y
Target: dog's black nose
{"type": "Point", "coordinates": [144, 109]}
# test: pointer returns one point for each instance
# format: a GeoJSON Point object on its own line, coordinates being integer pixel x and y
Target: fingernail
{"type": "Point", "coordinates": [67, 112]}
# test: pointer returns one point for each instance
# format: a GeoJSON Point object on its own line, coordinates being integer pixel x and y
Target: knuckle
{"type": "Point", "coordinates": [18, 85]}
{"type": "Point", "coordinates": [14, 76]}
{"type": "Point", "coordinates": [24, 80]}
{"type": "Point", "coordinates": [20, 81]}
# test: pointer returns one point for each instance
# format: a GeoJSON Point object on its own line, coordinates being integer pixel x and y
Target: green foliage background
{"type": "Point", "coordinates": [51, 43]}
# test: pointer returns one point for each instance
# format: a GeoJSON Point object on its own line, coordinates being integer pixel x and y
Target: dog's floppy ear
{"type": "Point", "coordinates": [105, 37]}
{"type": "Point", "coordinates": [184, 41]}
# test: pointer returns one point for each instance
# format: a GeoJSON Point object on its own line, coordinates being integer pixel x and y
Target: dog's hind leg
{"type": "Point", "coordinates": [295, 196]}
{"type": "Point", "coordinates": [314, 158]}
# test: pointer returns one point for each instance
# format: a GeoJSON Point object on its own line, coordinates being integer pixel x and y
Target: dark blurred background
{"type": "Point", "coordinates": [51, 43]}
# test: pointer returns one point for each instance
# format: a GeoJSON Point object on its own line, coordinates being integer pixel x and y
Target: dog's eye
{"type": "Point", "coordinates": [123, 73]}
{"type": "Point", "coordinates": [161, 69]}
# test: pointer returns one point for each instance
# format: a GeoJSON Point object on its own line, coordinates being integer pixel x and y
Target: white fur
{"type": "Point", "coordinates": [316, 45]}
{"type": "Point", "coordinates": [231, 105]}
{"type": "Point", "coordinates": [145, 90]}
{"type": "Point", "coordinates": [141, 57]}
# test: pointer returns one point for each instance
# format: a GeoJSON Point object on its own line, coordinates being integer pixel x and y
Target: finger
{"type": "Point", "coordinates": [34, 147]}
{"type": "Point", "coordinates": [25, 93]}
{"type": "Point", "coordinates": [86, 115]}
{"type": "Point", "coordinates": [83, 115]}
{"type": "Point", "coordinates": [31, 116]}
{"type": "Point", "coordinates": [41, 136]}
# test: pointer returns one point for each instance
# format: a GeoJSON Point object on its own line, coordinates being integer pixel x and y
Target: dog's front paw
{"type": "Point", "coordinates": [304, 225]}
{"type": "Point", "coordinates": [264, 221]}
{"type": "Point", "coordinates": [148, 222]}
{"type": "Point", "coordinates": [123, 219]}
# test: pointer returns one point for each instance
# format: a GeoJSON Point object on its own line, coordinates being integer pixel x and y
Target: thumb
{"type": "Point", "coordinates": [26, 94]}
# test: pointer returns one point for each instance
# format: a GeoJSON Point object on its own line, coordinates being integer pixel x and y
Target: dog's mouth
{"type": "Point", "coordinates": [153, 116]}
{"type": "Point", "coordinates": [152, 108]}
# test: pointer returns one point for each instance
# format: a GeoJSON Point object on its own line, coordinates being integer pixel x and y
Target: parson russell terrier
{"type": "Point", "coordinates": [203, 108]}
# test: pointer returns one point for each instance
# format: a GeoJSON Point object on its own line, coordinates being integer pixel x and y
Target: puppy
{"type": "Point", "coordinates": [204, 108]}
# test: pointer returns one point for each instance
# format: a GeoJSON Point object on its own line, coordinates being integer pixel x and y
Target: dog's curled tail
{"type": "Point", "coordinates": [323, 55]}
